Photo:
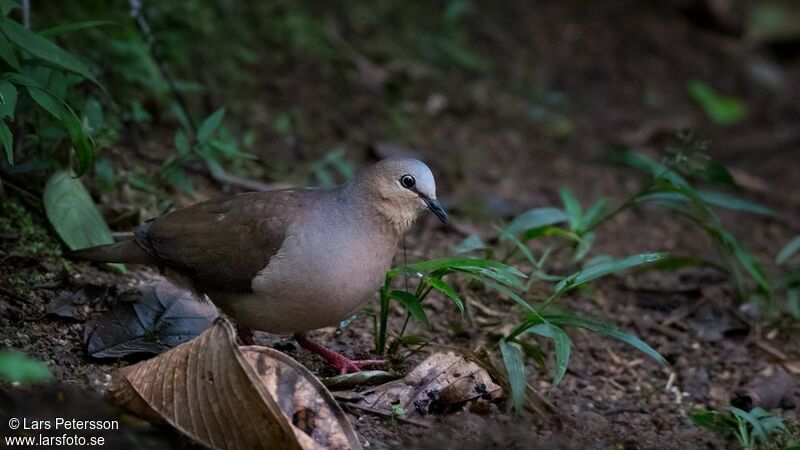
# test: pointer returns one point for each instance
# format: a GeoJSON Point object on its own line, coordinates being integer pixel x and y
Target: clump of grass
{"type": "Point", "coordinates": [753, 430]}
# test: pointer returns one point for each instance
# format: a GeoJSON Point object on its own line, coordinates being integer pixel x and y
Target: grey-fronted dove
{"type": "Point", "coordinates": [290, 260]}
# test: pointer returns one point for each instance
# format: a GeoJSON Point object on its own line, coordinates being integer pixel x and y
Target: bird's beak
{"type": "Point", "coordinates": [435, 206]}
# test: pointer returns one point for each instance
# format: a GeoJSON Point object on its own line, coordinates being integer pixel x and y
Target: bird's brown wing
{"type": "Point", "coordinates": [222, 244]}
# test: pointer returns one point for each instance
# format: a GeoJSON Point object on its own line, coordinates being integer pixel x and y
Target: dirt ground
{"type": "Point", "coordinates": [617, 72]}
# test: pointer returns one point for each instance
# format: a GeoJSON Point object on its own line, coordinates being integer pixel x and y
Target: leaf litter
{"type": "Point", "coordinates": [224, 396]}
{"type": "Point", "coordinates": [162, 317]}
{"type": "Point", "coordinates": [441, 382]}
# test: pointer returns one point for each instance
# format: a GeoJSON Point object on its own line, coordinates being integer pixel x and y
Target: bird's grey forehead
{"type": "Point", "coordinates": [397, 167]}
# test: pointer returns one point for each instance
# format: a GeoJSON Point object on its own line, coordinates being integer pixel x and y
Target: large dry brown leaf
{"type": "Point", "coordinates": [439, 382]}
{"type": "Point", "coordinates": [229, 397]}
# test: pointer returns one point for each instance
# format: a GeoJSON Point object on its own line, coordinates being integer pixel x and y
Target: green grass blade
{"type": "Point", "coordinates": [455, 263]}
{"type": "Point", "coordinates": [517, 373]}
{"type": "Point", "coordinates": [505, 235]}
{"type": "Point", "coordinates": [536, 218]}
{"type": "Point", "coordinates": [790, 249]}
{"type": "Point", "coordinates": [594, 214]}
{"type": "Point", "coordinates": [649, 166]}
{"type": "Point", "coordinates": [443, 287]}
{"type": "Point", "coordinates": [412, 304]}
{"type": "Point", "coordinates": [563, 347]}
{"type": "Point", "coordinates": [572, 207]}
{"type": "Point", "coordinates": [564, 319]}
{"type": "Point", "coordinates": [758, 429]}
{"type": "Point", "coordinates": [601, 269]}
{"type": "Point", "coordinates": [728, 201]}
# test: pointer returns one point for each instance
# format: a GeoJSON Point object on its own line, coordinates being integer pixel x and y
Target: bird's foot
{"type": "Point", "coordinates": [340, 362]}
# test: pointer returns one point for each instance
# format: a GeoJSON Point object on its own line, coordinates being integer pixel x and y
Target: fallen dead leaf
{"type": "Point", "coordinates": [441, 381]}
{"type": "Point", "coordinates": [224, 396]}
{"type": "Point", "coordinates": [162, 317]}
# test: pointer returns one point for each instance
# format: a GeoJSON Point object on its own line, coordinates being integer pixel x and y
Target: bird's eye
{"type": "Point", "coordinates": [407, 181]}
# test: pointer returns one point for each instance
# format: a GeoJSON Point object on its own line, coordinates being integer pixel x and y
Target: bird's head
{"type": "Point", "coordinates": [401, 188]}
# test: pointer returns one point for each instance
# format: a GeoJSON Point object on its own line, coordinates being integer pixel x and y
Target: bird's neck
{"type": "Point", "coordinates": [379, 211]}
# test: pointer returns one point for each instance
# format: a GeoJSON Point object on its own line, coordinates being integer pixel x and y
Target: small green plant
{"type": "Point", "coordinates": [211, 144]}
{"type": "Point", "coordinates": [721, 109]}
{"type": "Point", "coordinates": [790, 283]}
{"type": "Point", "coordinates": [37, 78]}
{"type": "Point", "coordinates": [430, 276]}
{"type": "Point", "coordinates": [508, 280]}
{"type": "Point", "coordinates": [669, 188]}
{"type": "Point", "coordinates": [18, 367]}
{"type": "Point", "coordinates": [754, 429]}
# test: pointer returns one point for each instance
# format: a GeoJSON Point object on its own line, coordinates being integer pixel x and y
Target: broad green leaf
{"type": "Point", "coordinates": [44, 49]}
{"type": "Point", "coordinates": [536, 218]}
{"type": "Point", "coordinates": [517, 373]}
{"type": "Point", "coordinates": [18, 367]}
{"type": "Point", "coordinates": [412, 304]}
{"type": "Point", "coordinates": [210, 126]}
{"type": "Point", "coordinates": [8, 54]}
{"type": "Point", "coordinates": [605, 329]}
{"type": "Point", "coordinates": [75, 26]}
{"type": "Point", "coordinates": [731, 202]}
{"type": "Point", "coordinates": [44, 100]}
{"type": "Point", "coordinates": [8, 5]}
{"type": "Point", "coordinates": [603, 268]}
{"type": "Point", "coordinates": [182, 143]}
{"type": "Point", "coordinates": [563, 346]}
{"type": "Point", "coordinates": [443, 287]}
{"type": "Point", "coordinates": [572, 207]}
{"type": "Point", "coordinates": [7, 139]}
{"type": "Point", "coordinates": [73, 213]}
{"type": "Point", "coordinates": [790, 249]}
{"type": "Point", "coordinates": [721, 109]}
{"type": "Point", "coordinates": [80, 140]}
{"type": "Point", "coordinates": [8, 99]}
{"type": "Point", "coordinates": [471, 243]}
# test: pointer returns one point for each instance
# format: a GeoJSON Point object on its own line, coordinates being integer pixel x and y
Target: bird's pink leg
{"type": "Point", "coordinates": [340, 362]}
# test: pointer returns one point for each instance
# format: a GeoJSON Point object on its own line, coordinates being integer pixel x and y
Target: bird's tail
{"type": "Point", "coordinates": [120, 252]}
